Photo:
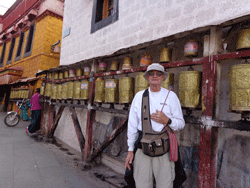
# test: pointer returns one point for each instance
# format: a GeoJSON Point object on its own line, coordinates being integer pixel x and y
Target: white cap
{"type": "Point", "coordinates": [157, 67]}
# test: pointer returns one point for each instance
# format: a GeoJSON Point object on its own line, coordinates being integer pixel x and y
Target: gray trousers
{"type": "Point", "coordinates": [146, 169]}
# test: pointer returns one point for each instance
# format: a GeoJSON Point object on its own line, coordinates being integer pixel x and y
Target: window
{"type": "Point", "coordinates": [20, 47]}
{"type": "Point", "coordinates": [2, 54]}
{"type": "Point", "coordinates": [104, 13]}
{"type": "Point", "coordinates": [29, 42]}
{"type": "Point", "coordinates": [11, 51]}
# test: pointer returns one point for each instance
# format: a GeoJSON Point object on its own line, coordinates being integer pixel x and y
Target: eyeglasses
{"type": "Point", "coordinates": [158, 74]}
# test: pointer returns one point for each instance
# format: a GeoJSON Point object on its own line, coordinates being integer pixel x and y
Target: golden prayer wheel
{"type": "Point", "coordinates": [165, 55]}
{"type": "Point", "coordinates": [126, 88]}
{"type": "Point", "coordinates": [42, 90]}
{"type": "Point", "coordinates": [77, 90]}
{"type": "Point", "coordinates": [102, 66]}
{"type": "Point", "coordinates": [243, 41]}
{"type": "Point", "coordinates": [99, 90]}
{"type": "Point", "coordinates": [26, 94]}
{"type": "Point", "coordinates": [86, 70]}
{"type": "Point", "coordinates": [49, 75]}
{"type": "Point", "coordinates": [114, 66]}
{"type": "Point", "coordinates": [60, 75]}
{"type": "Point", "coordinates": [59, 91]}
{"type": "Point", "coordinates": [72, 73]}
{"type": "Point", "coordinates": [54, 91]}
{"type": "Point", "coordinates": [140, 82]}
{"type": "Point", "coordinates": [189, 88]}
{"type": "Point", "coordinates": [146, 60]}
{"type": "Point", "coordinates": [55, 75]}
{"type": "Point", "coordinates": [84, 89]}
{"type": "Point", "coordinates": [70, 89]}
{"type": "Point", "coordinates": [111, 90]}
{"type": "Point", "coordinates": [127, 63]}
{"type": "Point", "coordinates": [169, 82]}
{"type": "Point", "coordinates": [191, 48]}
{"type": "Point", "coordinates": [240, 87]}
{"type": "Point", "coordinates": [48, 89]}
{"type": "Point", "coordinates": [21, 93]}
{"type": "Point", "coordinates": [65, 90]}
{"type": "Point", "coordinates": [79, 72]}
{"type": "Point", "coordinates": [66, 74]}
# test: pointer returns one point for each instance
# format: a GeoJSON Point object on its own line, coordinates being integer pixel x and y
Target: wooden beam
{"type": "Point", "coordinates": [90, 121]}
{"type": "Point", "coordinates": [78, 129]}
{"type": "Point", "coordinates": [51, 131]}
{"type": "Point", "coordinates": [110, 139]}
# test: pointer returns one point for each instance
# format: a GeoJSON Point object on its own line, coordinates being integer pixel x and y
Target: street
{"type": "Point", "coordinates": [33, 162]}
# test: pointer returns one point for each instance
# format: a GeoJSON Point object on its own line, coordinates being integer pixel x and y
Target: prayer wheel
{"type": "Point", "coordinates": [243, 41]}
{"type": "Point", "coordinates": [140, 82]}
{"type": "Point", "coordinates": [26, 94]}
{"type": "Point", "coordinates": [165, 55]}
{"type": "Point", "coordinates": [127, 63]}
{"type": "Point", "coordinates": [77, 90]}
{"type": "Point", "coordinates": [55, 75]}
{"type": "Point", "coordinates": [60, 75]}
{"type": "Point", "coordinates": [70, 89]}
{"type": "Point", "coordinates": [86, 70]}
{"type": "Point", "coordinates": [146, 60]}
{"type": "Point", "coordinates": [99, 90]}
{"type": "Point", "coordinates": [42, 90]}
{"type": "Point", "coordinates": [84, 89]}
{"type": "Point", "coordinates": [72, 73]}
{"type": "Point", "coordinates": [66, 74]}
{"type": "Point", "coordinates": [79, 72]}
{"type": "Point", "coordinates": [111, 91]}
{"type": "Point", "coordinates": [59, 91]}
{"type": "Point", "coordinates": [49, 75]}
{"type": "Point", "coordinates": [54, 91]}
{"type": "Point", "coordinates": [102, 66]}
{"type": "Point", "coordinates": [191, 48]}
{"type": "Point", "coordinates": [48, 90]}
{"type": "Point", "coordinates": [169, 82]}
{"type": "Point", "coordinates": [240, 87]}
{"type": "Point", "coordinates": [114, 66]}
{"type": "Point", "coordinates": [126, 88]}
{"type": "Point", "coordinates": [65, 90]}
{"type": "Point", "coordinates": [189, 89]}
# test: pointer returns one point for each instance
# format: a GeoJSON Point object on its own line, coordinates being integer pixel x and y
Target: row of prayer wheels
{"type": "Point", "coordinates": [70, 73]}
{"type": "Point", "coordinates": [67, 90]}
{"type": "Point", "coordinates": [122, 90]}
{"type": "Point", "coordinates": [19, 94]}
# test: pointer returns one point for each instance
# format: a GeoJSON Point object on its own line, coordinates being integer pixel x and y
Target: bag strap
{"type": "Point", "coordinates": [145, 116]}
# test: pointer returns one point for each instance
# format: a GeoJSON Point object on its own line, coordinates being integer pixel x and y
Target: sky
{"type": "Point", "coordinates": [5, 5]}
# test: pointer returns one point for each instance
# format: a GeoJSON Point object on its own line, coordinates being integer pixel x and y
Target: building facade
{"type": "Point", "coordinates": [30, 31]}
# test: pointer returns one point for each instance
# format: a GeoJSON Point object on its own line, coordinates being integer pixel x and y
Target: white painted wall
{"type": "Point", "coordinates": [139, 21]}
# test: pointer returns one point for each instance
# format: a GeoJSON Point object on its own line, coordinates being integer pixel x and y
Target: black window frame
{"type": "Point", "coordinates": [97, 12]}
{"type": "Point", "coordinates": [11, 50]}
{"type": "Point", "coordinates": [2, 54]}
{"type": "Point", "coordinates": [20, 46]}
{"type": "Point", "coordinates": [29, 41]}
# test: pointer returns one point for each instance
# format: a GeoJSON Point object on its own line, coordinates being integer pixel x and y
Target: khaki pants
{"type": "Point", "coordinates": [147, 168]}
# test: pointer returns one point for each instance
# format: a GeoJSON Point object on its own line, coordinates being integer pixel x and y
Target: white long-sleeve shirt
{"type": "Point", "coordinates": [172, 109]}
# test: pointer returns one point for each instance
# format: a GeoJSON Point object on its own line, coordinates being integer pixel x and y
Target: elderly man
{"type": "Point", "coordinates": [147, 168]}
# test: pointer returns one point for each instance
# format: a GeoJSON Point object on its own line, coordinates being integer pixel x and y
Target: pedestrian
{"type": "Point", "coordinates": [164, 110]}
{"type": "Point", "coordinates": [34, 126]}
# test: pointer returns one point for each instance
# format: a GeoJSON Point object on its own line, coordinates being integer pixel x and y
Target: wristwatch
{"type": "Point", "coordinates": [169, 121]}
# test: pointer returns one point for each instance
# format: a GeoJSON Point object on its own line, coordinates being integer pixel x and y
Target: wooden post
{"type": "Point", "coordinates": [110, 139]}
{"type": "Point", "coordinates": [90, 121]}
{"type": "Point", "coordinates": [51, 131]}
{"type": "Point", "coordinates": [78, 129]}
{"type": "Point", "coordinates": [209, 134]}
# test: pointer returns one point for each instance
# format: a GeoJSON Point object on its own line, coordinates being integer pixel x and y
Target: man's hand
{"type": "Point", "coordinates": [129, 160]}
{"type": "Point", "coordinates": [159, 117]}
